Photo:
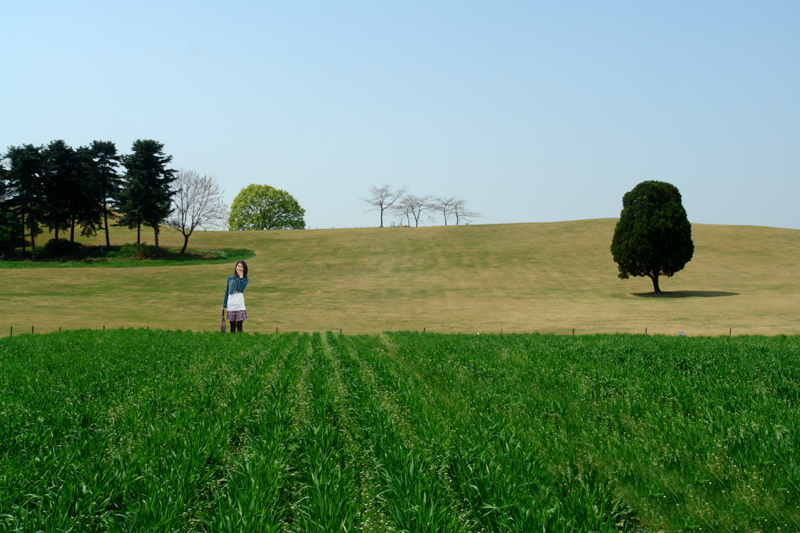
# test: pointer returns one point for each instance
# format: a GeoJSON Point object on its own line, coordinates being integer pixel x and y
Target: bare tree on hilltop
{"type": "Point", "coordinates": [382, 198]}
{"type": "Point", "coordinates": [445, 205]}
{"type": "Point", "coordinates": [413, 206]}
{"type": "Point", "coordinates": [198, 203]}
{"type": "Point", "coordinates": [462, 214]}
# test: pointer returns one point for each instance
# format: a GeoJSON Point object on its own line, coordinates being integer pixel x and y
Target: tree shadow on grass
{"type": "Point", "coordinates": [684, 294]}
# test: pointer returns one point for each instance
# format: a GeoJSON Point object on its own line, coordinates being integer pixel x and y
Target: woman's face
{"type": "Point", "coordinates": [240, 270]}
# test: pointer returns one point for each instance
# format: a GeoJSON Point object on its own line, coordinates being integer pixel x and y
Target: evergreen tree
{"type": "Point", "coordinates": [653, 236]}
{"type": "Point", "coordinates": [103, 161]}
{"type": "Point", "coordinates": [26, 184]}
{"type": "Point", "coordinates": [60, 186]}
{"type": "Point", "coordinates": [147, 195]}
{"type": "Point", "coordinates": [10, 224]}
{"type": "Point", "coordinates": [87, 205]}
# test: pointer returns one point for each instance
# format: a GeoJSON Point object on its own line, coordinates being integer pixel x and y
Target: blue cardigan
{"type": "Point", "coordinates": [234, 285]}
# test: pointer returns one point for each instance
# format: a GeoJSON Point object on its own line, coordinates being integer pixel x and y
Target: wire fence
{"type": "Point", "coordinates": [10, 331]}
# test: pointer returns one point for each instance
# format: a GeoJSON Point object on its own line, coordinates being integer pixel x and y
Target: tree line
{"type": "Point", "coordinates": [388, 201]}
{"type": "Point", "coordinates": [60, 188]}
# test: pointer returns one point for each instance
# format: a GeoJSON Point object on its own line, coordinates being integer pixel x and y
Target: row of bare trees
{"type": "Point", "coordinates": [408, 207]}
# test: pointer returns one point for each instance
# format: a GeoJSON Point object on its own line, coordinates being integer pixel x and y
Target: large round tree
{"type": "Point", "coordinates": [653, 236]}
{"type": "Point", "coordinates": [265, 207]}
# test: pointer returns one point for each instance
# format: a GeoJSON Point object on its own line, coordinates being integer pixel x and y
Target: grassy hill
{"type": "Point", "coordinates": [546, 277]}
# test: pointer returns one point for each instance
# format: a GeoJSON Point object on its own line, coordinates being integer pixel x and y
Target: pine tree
{"type": "Point", "coordinates": [147, 195]}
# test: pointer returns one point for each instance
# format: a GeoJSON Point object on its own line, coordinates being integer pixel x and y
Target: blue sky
{"type": "Point", "coordinates": [529, 111]}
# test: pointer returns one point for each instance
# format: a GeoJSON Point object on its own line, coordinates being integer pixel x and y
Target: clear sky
{"type": "Point", "coordinates": [530, 111]}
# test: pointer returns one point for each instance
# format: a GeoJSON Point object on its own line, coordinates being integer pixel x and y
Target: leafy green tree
{"type": "Point", "coordinates": [25, 180]}
{"type": "Point", "coordinates": [147, 195]}
{"type": "Point", "coordinates": [653, 236]}
{"type": "Point", "coordinates": [264, 207]}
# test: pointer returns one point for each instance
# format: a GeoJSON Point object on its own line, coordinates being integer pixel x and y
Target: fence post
{"type": "Point", "coordinates": [276, 329]}
{"type": "Point", "coordinates": [31, 330]}
{"type": "Point", "coordinates": [11, 333]}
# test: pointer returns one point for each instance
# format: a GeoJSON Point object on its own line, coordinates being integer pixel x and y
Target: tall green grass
{"type": "Point", "coordinates": [133, 430]}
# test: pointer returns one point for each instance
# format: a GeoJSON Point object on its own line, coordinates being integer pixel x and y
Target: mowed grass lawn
{"type": "Point", "coordinates": [544, 277]}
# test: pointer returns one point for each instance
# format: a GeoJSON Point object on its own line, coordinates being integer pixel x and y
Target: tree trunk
{"type": "Point", "coordinates": [56, 231]}
{"type": "Point", "coordinates": [22, 215]}
{"type": "Point", "coordinates": [156, 233]}
{"type": "Point", "coordinates": [105, 220]}
{"type": "Point", "coordinates": [656, 288]}
{"type": "Point", "coordinates": [33, 244]}
{"type": "Point", "coordinates": [185, 242]}
{"type": "Point", "coordinates": [138, 234]}
{"type": "Point", "coordinates": [72, 231]}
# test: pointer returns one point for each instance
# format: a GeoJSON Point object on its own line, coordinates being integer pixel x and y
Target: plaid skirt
{"type": "Point", "coordinates": [237, 316]}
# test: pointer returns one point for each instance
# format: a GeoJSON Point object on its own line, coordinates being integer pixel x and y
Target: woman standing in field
{"type": "Point", "coordinates": [234, 299]}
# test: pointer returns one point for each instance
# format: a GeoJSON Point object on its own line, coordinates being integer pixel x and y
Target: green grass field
{"type": "Point", "coordinates": [552, 277]}
{"type": "Point", "coordinates": [136, 430]}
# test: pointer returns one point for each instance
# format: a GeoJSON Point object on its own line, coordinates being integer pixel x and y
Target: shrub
{"type": "Point", "coordinates": [10, 230]}
{"type": "Point", "coordinates": [61, 248]}
{"type": "Point", "coordinates": [137, 251]}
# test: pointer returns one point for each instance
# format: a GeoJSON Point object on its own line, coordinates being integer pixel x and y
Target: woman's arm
{"type": "Point", "coordinates": [225, 301]}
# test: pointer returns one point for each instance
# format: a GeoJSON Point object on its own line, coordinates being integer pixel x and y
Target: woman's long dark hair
{"type": "Point", "coordinates": [244, 269]}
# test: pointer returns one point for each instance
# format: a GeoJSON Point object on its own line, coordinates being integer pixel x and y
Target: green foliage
{"type": "Point", "coordinates": [261, 207]}
{"type": "Point", "coordinates": [174, 431]}
{"type": "Point", "coordinates": [137, 251]}
{"type": "Point", "coordinates": [653, 236]}
{"type": "Point", "coordinates": [61, 248]}
{"type": "Point", "coordinates": [10, 229]}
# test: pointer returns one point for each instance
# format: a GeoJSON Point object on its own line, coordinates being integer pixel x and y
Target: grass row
{"type": "Point", "coordinates": [131, 430]}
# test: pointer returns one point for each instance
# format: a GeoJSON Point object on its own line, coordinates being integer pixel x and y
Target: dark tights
{"type": "Point", "coordinates": [236, 325]}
